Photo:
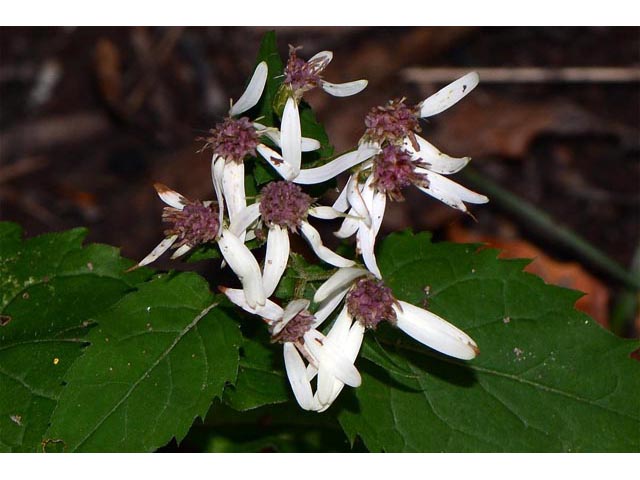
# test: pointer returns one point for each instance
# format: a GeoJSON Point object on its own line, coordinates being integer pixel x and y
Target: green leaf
{"type": "Point", "coordinates": [548, 377]}
{"type": "Point", "coordinates": [207, 251]}
{"type": "Point", "coordinates": [269, 53]}
{"type": "Point", "coordinates": [310, 127]}
{"type": "Point", "coordinates": [51, 289]}
{"type": "Point", "coordinates": [156, 361]}
{"type": "Point", "coordinates": [273, 428]}
{"type": "Point", "coordinates": [261, 378]}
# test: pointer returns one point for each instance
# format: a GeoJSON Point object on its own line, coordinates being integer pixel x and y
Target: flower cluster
{"type": "Point", "coordinates": [389, 157]}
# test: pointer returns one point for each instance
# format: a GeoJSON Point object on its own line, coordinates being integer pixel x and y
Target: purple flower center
{"type": "Point", "coordinates": [302, 76]}
{"type": "Point", "coordinates": [195, 224]}
{"type": "Point", "coordinates": [284, 204]}
{"type": "Point", "coordinates": [371, 302]}
{"type": "Point", "coordinates": [295, 329]}
{"type": "Point", "coordinates": [393, 123]}
{"type": "Point", "coordinates": [233, 139]}
{"type": "Point", "coordinates": [393, 170]}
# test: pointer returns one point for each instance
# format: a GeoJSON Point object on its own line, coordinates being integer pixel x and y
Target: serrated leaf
{"type": "Point", "coordinates": [51, 288]}
{"type": "Point", "coordinates": [261, 379]}
{"type": "Point", "coordinates": [156, 361]}
{"type": "Point", "coordinates": [548, 377]}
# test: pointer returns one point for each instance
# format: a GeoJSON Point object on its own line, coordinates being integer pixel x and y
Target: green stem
{"type": "Point", "coordinates": [625, 308]}
{"type": "Point", "coordinates": [523, 209]}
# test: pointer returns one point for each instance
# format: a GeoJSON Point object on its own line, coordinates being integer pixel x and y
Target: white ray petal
{"type": "Point", "coordinates": [233, 188]}
{"type": "Point", "coordinates": [292, 309]}
{"type": "Point", "coordinates": [343, 278]}
{"type": "Point", "coordinates": [354, 341]}
{"type": "Point", "coordinates": [342, 204]}
{"type": "Point", "coordinates": [297, 374]}
{"type": "Point", "coordinates": [449, 192]}
{"type": "Point", "coordinates": [344, 89]}
{"type": "Point", "coordinates": [276, 258]}
{"type": "Point", "coordinates": [313, 238]}
{"type": "Point", "coordinates": [340, 329]}
{"type": "Point", "coordinates": [309, 144]}
{"type": "Point", "coordinates": [336, 166]}
{"type": "Point", "coordinates": [328, 307]}
{"type": "Point", "coordinates": [351, 348]}
{"type": "Point", "coordinates": [253, 92]}
{"type": "Point", "coordinates": [326, 379]}
{"type": "Point", "coordinates": [378, 206]}
{"type": "Point", "coordinates": [217, 172]}
{"type": "Point", "coordinates": [357, 201]}
{"type": "Point", "coordinates": [366, 236]}
{"type": "Point", "coordinates": [244, 265]}
{"type": "Point", "coordinates": [438, 161]}
{"type": "Point", "coordinates": [325, 213]}
{"type": "Point", "coordinates": [322, 59]}
{"type": "Point", "coordinates": [162, 247]}
{"type": "Point", "coordinates": [270, 311]}
{"type": "Point", "coordinates": [245, 218]}
{"type": "Point", "coordinates": [274, 159]}
{"type": "Point", "coordinates": [181, 251]}
{"type": "Point", "coordinates": [311, 372]}
{"type": "Point", "coordinates": [332, 358]}
{"type": "Point", "coordinates": [449, 95]}
{"type": "Point", "coordinates": [306, 144]}
{"type": "Point", "coordinates": [290, 135]}
{"type": "Point", "coordinates": [366, 239]}
{"type": "Point", "coordinates": [322, 408]}
{"type": "Point", "coordinates": [435, 332]}
{"type": "Point", "coordinates": [170, 197]}
{"type": "Point", "coordinates": [349, 225]}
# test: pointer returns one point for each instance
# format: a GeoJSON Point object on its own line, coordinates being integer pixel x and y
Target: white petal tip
{"type": "Point", "coordinates": [344, 89]}
{"type": "Point", "coordinates": [252, 94]}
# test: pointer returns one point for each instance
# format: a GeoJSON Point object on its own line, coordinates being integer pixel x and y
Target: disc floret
{"type": "Point", "coordinates": [293, 331]}
{"type": "Point", "coordinates": [393, 170]}
{"type": "Point", "coordinates": [370, 302]}
{"type": "Point", "coordinates": [195, 224]}
{"type": "Point", "coordinates": [391, 123]}
{"type": "Point", "coordinates": [300, 75]}
{"type": "Point", "coordinates": [284, 204]}
{"type": "Point", "coordinates": [233, 139]}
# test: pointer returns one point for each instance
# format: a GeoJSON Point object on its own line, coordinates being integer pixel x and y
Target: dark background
{"type": "Point", "coordinates": [91, 117]}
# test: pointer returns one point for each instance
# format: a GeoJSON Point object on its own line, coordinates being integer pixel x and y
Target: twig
{"type": "Point", "coordinates": [526, 75]}
{"type": "Point", "coordinates": [22, 167]}
{"type": "Point", "coordinates": [30, 206]}
{"type": "Point", "coordinates": [533, 216]}
{"type": "Point", "coordinates": [39, 135]}
{"type": "Point", "coordinates": [159, 55]}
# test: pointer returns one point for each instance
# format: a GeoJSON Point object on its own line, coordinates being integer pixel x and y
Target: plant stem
{"type": "Point", "coordinates": [536, 217]}
{"type": "Point", "coordinates": [623, 311]}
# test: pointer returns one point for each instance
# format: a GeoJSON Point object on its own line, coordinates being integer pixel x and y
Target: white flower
{"type": "Point", "coordinates": [300, 77]}
{"type": "Point", "coordinates": [193, 223]}
{"type": "Point", "coordinates": [284, 207]}
{"type": "Point", "coordinates": [236, 138]}
{"type": "Point", "coordinates": [327, 356]}
{"type": "Point", "coordinates": [368, 302]}
{"type": "Point", "coordinates": [392, 156]}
